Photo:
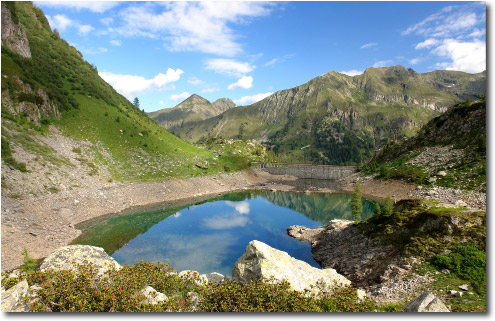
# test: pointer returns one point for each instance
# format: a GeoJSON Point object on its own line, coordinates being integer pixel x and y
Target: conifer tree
{"type": "Point", "coordinates": [356, 205]}
{"type": "Point", "coordinates": [377, 211]}
{"type": "Point", "coordinates": [136, 102]}
{"type": "Point", "coordinates": [388, 207]}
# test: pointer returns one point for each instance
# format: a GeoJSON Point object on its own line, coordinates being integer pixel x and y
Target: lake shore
{"type": "Point", "coordinates": [44, 223]}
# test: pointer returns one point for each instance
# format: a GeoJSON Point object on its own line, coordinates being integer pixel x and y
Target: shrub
{"type": "Point", "coordinates": [466, 261]}
{"type": "Point", "coordinates": [29, 263]}
{"type": "Point", "coordinates": [118, 291]}
{"type": "Point", "coordinates": [388, 207]}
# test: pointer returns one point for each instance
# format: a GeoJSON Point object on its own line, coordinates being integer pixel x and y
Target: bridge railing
{"type": "Point", "coordinates": [287, 165]}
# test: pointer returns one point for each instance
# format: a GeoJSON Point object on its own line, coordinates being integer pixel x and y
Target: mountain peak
{"type": "Point", "coordinates": [196, 99]}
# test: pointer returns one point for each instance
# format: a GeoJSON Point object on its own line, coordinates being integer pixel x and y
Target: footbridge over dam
{"type": "Point", "coordinates": [332, 172]}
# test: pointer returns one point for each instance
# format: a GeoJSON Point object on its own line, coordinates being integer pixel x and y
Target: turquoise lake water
{"type": "Point", "coordinates": [211, 235]}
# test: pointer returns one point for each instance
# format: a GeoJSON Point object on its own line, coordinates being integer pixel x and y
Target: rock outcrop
{"type": "Point", "coordinates": [12, 299]}
{"type": "Point", "coordinates": [13, 34]}
{"type": "Point", "coordinates": [69, 257]}
{"type": "Point", "coordinates": [261, 261]}
{"type": "Point", "coordinates": [341, 246]}
{"type": "Point", "coordinates": [34, 103]}
{"type": "Point", "coordinates": [427, 302]}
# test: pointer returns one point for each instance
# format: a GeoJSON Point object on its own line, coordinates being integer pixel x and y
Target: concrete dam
{"type": "Point", "coordinates": [331, 172]}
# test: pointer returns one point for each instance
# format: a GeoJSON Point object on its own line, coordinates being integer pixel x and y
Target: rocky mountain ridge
{"type": "Point", "coordinates": [194, 108]}
{"type": "Point", "coordinates": [343, 118]}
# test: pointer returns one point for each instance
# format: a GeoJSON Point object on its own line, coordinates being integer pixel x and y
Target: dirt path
{"type": "Point", "coordinates": [44, 223]}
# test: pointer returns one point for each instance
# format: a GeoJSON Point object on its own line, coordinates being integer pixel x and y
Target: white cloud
{"type": "Point", "coordinates": [116, 42]}
{"type": "Point", "coordinates": [227, 222]}
{"type": "Point", "coordinates": [130, 85]}
{"type": "Point", "coordinates": [456, 36]}
{"type": "Point", "coordinates": [477, 33]}
{"type": "Point", "coordinates": [248, 100]}
{"type": "Point", "coordinates": [192, 26]}
{"type": "Point", "coordinates": [245, 82]}
{"type": "Point", "coordinates": [229, 67]}
{"type": "Point", "coordinates": [84, 29]}
{"type": "Point", "coordinates": [94, 6]}
{"type": "Point", "coordinates": [279, 59]}
{"type": "Point", "coordinates": [181, 97]}
{"type": "Point", "coordinates": [465, 56]}
{"type": "Point", "coordinates": [60, 22]}
{"type": "Point", "coordinates": [369, 45]}
{"type": "Point", "coordinates": [451, 21]}
{"type": "Point", "coordinates": [352, 73]}
{"type": "Point", "coordinates": [240, 207]}
{"type": "Point", "coordinates": [210, 90]}
{"type": "Point", "coordinates": [170, 76]}
{"type": "Point", "coordinates": [427, 43]}
{"type": "Point", "coordinates": [106, 21]}
{"type": "Point", "coordinates": [383, 63]}
{"type": "Point", "coordinates": [197, 82]}
{"type": "Point", "coordinates": [94, 51]}
{"type": "Point", "coordinates": [414, 61]}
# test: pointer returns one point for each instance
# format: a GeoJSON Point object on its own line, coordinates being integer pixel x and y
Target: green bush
{"type": "Point", "coordinates": [118, 291]}
{"type": "Point", "coordinates": [466, 261]}
{"type": "Point", "coordinates": [29, 263]}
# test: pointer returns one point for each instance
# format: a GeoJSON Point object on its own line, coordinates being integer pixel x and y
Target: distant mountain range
{"type": "Point", "coordinates": [193, 109]}
{"type": "Point", "coordinates": [339, 119]}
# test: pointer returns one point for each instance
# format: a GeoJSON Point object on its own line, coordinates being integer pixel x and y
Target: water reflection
{"type": "Point", "coordinates": [240, 207]}
{"type": "Point", "coordinates": [210, 236]}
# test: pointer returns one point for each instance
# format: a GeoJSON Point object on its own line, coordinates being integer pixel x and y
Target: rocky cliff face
{"type": "Point", "coordinates": [34, 104]}
{"type": "Point", "coordinates": [13, 34]}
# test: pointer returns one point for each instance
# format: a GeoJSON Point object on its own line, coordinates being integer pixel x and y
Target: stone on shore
{"type": "Point", "coordinates": [69, 257]}
{"type": "Point", "coordinates": [152, 296]}
{"type": "Point", "coordinates": [13, 298]}
{"type": "Point", "coordinates": [427, 302]}
{"type": "Point", "coordinates": [261, 261]}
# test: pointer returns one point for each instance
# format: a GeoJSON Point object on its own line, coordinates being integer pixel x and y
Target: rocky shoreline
{"type": "Point", "coordinates": [44, 223]}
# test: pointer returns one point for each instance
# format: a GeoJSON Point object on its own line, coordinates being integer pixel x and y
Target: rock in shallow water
{"type": "Point", "coordinates": [261, 261]}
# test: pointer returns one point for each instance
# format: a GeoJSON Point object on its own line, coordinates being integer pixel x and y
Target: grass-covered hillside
{"type": "Point", "coordinates": [338, 119]}
{"type": "Point", "coordinates": [450, 151]}
{"type": "Point", "coordinates": [48, 88]}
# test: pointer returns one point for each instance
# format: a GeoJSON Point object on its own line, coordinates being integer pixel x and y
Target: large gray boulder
{"type": "Point", "coordinates": [261, 261]}
{"type": "Point", "coordinates": [70, 256]}
{"type": "Point", "coordinates": [13, 298]}
{"type": "Point", "coordinates": [427, 302]}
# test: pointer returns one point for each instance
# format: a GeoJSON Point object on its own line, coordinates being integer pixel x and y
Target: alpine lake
{"type": "Point", "coordinates": [209, 235]}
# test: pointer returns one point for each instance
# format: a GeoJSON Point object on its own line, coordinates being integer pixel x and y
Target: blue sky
{"type": "Point", "coordinates": [161, 52]}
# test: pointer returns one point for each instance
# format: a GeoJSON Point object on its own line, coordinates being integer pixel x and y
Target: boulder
{"type": "Point", "coordinates": [262, 262]}
{"type": "Point", "coordinates": [427, 302]}
{"type": "Point", "coordinates": [464, 287]}
{"type": "Point", "coordinates": [152, 296]}
{"type": "Point", "coordinates": [460, 203]}
{"type": "Point", "coordinates": [13, 298]}
{"type": "Point", "coordinates": [215, 277]}
{"type": "Point", "coordinates": [70, 256]}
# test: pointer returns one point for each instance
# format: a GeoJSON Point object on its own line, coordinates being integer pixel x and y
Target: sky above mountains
{"type": "Point", "coordinates": [162, 52]}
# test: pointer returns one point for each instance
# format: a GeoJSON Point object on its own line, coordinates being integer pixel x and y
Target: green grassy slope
{"type": "Point", "coordinates": [123, 138]}
{"type": "Point", "coordinates": [343, 119]}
